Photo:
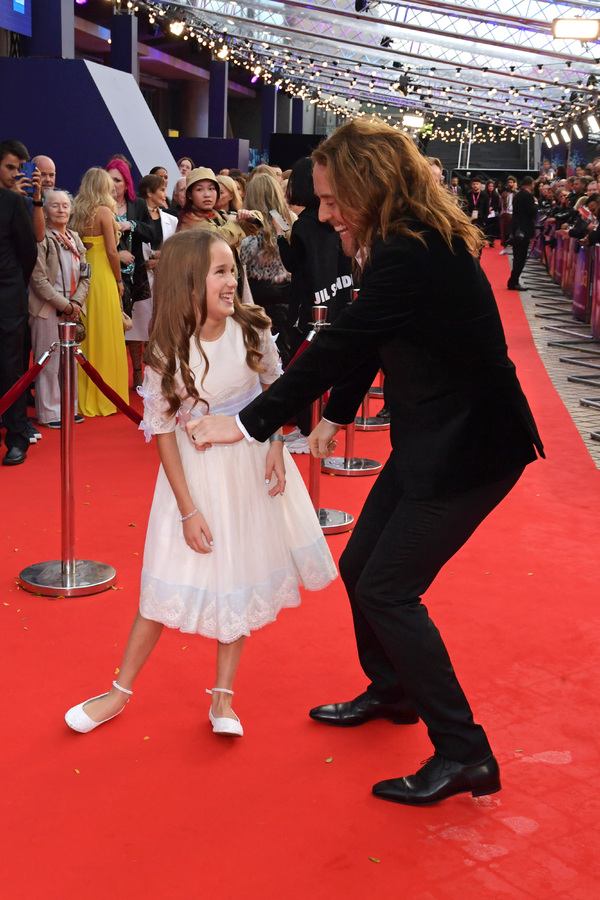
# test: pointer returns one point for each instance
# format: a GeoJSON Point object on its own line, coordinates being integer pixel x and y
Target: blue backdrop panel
{"type": "Point", "coordinates": [216, 153]}
{"type": "Point", "coordinates": [15, 15]}
{"type": "Point", "coordinates": [91, 112]}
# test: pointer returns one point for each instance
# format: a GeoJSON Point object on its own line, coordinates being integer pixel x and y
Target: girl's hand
{"type": "Point", "coordinates": [197, 534]}
{"type": "Point", "coordinates": [126, 258]}
{"type": "Point", "coordinates": [121, 288]}
{"type": "Point", "coordinates": [275, 464]}
{"type": "Point", "coordinates": [124, 226]}
{"type": "Point", "coordinates": [244, 214]}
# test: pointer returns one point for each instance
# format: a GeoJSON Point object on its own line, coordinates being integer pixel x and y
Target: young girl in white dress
{"type": "Point", "coordinates": [226, 548]}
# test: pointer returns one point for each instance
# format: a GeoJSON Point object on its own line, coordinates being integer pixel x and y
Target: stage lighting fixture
{"type": "Point", "coordinates": [386, 42]}
{"type": "Point", "coordinates": [411, 121]}
{"type": "Point", "coordinates": [576, 29]}
{"type": "Point", "coordinates": [578, 131]}
{"type": "Point", "coordinates": [593, 125]}
{"type": "Point", "coordinates": [565, 135]}
{"type": "Point", "coordinates": [554, 139]}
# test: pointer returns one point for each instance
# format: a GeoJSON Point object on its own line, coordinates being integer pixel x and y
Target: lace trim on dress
{"type": "Point", "coordinates": [196, 611]}
{"type": "Point", "coordinates": [271, 358]}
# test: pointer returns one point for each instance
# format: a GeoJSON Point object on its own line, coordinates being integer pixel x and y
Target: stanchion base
{"type": "Point", "coordinates": [339, 465]}
{"type": "Point", "coordinates": [372, 423]}
{"type": "Point", "coordinates": [46, 578]}
{"type": "Point", "coordinates": [332, 521]}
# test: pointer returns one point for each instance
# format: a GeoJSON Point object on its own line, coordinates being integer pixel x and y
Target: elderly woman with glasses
{"type": "Point", "coordinates": [57, 291]}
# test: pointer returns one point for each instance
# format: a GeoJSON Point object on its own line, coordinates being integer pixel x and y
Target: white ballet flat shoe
{"type": "Point", "coordinates": [78, 720]}
{"type": "Point", "coordinates": [222, 724]}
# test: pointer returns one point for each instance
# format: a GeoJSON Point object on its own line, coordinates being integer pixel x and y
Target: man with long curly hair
{"type": "Point", "coordinates": [461, 432]}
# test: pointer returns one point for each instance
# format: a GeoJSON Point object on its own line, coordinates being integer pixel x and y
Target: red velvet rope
{"type": "Point", "coordinates": [19, 386]}
{"type": "Point", "coordinates": [298, 352]}
{"type": "Point", "coordinates": [112, 395]}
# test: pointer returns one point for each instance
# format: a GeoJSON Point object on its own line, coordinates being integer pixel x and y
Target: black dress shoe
{"type": "Point", "coordinates": [14, 457]}
{"type": "Point", "coordinates": [515, 287]}
{"type": "Point", "coordinates": [384, 413]}
{"type": "Point", "coordinates": [362, 709]}
{"type": "Point", "coordinates": [440, 778]}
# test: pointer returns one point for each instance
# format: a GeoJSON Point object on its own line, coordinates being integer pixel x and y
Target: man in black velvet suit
{"type": "Point", "coordinates": [18, 255]}
{"type": "Point", "coordinates": [522, 229]}
{"type": "Point", "coordinates": [461, 432]}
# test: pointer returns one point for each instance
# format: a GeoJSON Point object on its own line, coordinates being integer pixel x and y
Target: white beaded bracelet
{"type": "Point", "coordinates": [189, 515]}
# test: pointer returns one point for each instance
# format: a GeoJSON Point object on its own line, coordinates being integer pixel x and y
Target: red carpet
{"type": "Point", "coordinates": [154, 805]}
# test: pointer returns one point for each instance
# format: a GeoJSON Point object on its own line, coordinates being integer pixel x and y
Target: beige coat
{"type": "Point", "coordinates": [44, 299]}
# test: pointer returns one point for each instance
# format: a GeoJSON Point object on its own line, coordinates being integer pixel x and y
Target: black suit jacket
{"type": "Point", "coordinates": [481, 203]}
{"type": "Point", "coordinates": [524, 213]}
{"type": "Point", "coordinates": [18, 253]}
{"type": "Point", "coordinates": [428, 317]}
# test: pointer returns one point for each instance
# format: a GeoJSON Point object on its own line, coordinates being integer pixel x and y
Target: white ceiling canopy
{"type": "Point", "coordinates": [491, 62]}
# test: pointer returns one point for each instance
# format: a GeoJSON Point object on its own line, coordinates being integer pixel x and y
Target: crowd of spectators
{"type": "Point", "coordinates": [91, 260]}
{"type": "Point", "coordinates": [566, 202]}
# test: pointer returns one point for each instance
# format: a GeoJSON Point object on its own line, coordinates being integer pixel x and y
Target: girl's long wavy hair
{"type": "Point", "coordinates": [180, 312]}
{"type": "Point", "coordinates": [96, 189]}
{"type": "Point", "coordinates": [383, 186]}
{"type": "Point", "coordinates": [264, 193]}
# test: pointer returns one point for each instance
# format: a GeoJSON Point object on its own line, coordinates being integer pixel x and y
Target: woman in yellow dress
{"type": "Point", "coordinates": [104, 344]}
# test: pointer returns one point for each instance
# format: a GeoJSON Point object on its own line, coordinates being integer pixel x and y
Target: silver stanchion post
{"type": "Point", "coordinates": [67, 577]}
{"type": "Point", "coordinates": [332, 521]}
{"type": "Point", "coordinates": [376, 390]}
{"type": "Point", "coordinates": [366, 422]}
{"type": "Point", "coordinates": [349, 464]}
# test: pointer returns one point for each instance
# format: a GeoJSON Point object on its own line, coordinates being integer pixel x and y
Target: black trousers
{"type": "Point", "coordinates": [520, 250]}
{"type": "Point", "coordinates": [394, 553]}
{"type": "Point", "coordinates": [13, 330]}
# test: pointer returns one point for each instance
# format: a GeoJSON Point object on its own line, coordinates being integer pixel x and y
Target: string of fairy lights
{"type": "Point", "coordinates": [348, 89]}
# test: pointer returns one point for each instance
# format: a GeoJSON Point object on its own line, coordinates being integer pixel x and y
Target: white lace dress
{"type": "Point", "coordinates": [264, 547]}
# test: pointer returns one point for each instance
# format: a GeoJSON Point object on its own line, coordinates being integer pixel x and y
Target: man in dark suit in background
{"type": "Point", "coordinates": [522, 229]}
{"type": "Point", "coordinates": [477, 203]}
{"type": "Point", "coordinates": [460, 427]}
{"type": "Point", "coordinates": [18, 255]}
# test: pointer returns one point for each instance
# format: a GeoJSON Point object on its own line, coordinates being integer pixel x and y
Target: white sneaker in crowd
{"type": "Point", "coordinates": [300, 445]}
{"type": "Point", "coordinates": [292, 436]}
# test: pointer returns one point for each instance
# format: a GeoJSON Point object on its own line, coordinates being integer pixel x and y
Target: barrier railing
{"type": "Point", "coordinates": [67, 576]}
{"type": "Point", "coordinates": [595, 303]}
{"type": "Point", "coordinates": [577, 269]}
{"type": "Point", "coordinates": [332, 521]}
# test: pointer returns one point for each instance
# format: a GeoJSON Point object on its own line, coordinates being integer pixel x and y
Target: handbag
{"type": "Point", "coordinates": [127, 322]}
{"type": "Point", "coordinates": [126, 299]}
{"type": "Point", "coordinates": [80, 331]}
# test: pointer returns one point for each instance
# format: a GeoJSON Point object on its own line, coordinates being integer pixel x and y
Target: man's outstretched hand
{"type": "Point", "coordinates": [213, 430]}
